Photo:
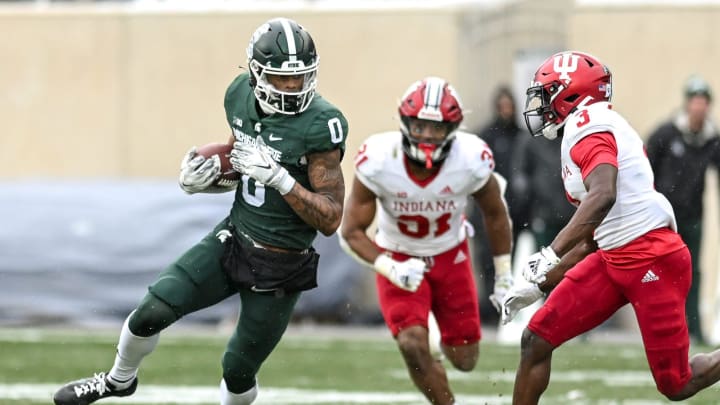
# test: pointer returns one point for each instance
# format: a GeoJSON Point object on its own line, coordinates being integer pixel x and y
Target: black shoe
{"type": "Point", "coordinates": [89, 390]}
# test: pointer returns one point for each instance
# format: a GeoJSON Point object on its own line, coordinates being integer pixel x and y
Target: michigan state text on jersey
{"type": "Point", "coordinates": [289, 139]}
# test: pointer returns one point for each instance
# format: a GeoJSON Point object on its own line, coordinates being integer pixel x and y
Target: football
{"type": "Point", "coordinates": [223, 151]}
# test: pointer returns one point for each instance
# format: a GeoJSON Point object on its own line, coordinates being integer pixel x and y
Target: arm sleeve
{"type": "Point", "coordinates": [593, 150]}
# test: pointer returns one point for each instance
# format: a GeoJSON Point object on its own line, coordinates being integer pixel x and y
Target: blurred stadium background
{"type": "Point", "coordinates": [99, 100]}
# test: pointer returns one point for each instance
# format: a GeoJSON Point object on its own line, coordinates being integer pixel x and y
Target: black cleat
{"type": "Point", "coordinates": [89, 390]}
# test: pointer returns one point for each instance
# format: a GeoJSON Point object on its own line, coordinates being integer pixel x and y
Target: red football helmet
{"type": "Point", "coordinates": [431, 99]}
{"type": "Point", "coordinates": [563, 83]}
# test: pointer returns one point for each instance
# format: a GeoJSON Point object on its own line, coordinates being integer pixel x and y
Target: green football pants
{"type": "Point", "coordinates": [197, 280]}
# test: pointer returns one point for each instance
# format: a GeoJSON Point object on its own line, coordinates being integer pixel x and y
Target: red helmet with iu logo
{"type": "Point", "coordinates": [431, 99]}
{"type": "Point", "coordinates": [562, 84]}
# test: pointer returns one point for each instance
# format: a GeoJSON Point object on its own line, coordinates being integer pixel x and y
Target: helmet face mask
{"type": "Point", "coordinates": [564, 83]}
{"type": "Point", "coordinates": [278, 101]}
{"type": "Point", "coordinates": [426, 152]}
{"type": "Point", "coordinates": [432, 103]}
{"type": "Point", "coordinates": [281, 47]}
{"type": "Point", "coordinates": [540, 118]}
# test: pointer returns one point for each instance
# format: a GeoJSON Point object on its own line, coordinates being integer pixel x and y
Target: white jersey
{"type": "Point", "coordinates": [422, 218]}
{"type": "Point", "coordinates": [638, 208]}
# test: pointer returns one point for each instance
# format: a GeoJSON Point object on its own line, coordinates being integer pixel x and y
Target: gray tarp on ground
{"type": "Point", "coordinates": [85, 251]}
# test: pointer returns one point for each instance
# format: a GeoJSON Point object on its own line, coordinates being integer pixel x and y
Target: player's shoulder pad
{"type": "Point", "coordinates": [470, 142]}
{"type": "Point", "coordinates": [326, 127]}
{"type": "Point", "coordinates": [591, 119]}
{"type": "Point", "coordinates": [241, 82]}
{"type": "Point", "coordinates": [475, 154]}
{"type": "Point", "coordinates": [375, 151]}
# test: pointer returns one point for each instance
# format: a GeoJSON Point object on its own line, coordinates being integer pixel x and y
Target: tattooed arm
{"type": "Point", "coordinates": [322, 208]}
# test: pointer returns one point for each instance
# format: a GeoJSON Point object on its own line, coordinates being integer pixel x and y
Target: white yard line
{"type": "Point", "coordinates": [202, 395]}
{"type": "Point", "coordinates": [167, 394]}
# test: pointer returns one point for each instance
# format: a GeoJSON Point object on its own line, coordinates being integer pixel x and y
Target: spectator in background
{"type": "Point", "coordinates": [680, 151]}
{"type": "Point", "coordinates": [537, 185]}
{"type": "Point", "coordinates": [501, 134]}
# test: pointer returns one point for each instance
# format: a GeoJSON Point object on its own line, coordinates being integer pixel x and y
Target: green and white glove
{"type": "Point", "coordinates": [255, 161]}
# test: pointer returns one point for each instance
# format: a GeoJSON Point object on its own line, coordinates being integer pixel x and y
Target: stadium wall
{"type": "Point", "coordinates": [130, 90]}
{"type": "Point", "coordinates": [118, 91]}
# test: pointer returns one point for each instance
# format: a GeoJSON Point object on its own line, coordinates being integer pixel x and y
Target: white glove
{"type": "Point", "coordinates": [198, 173]}
{"type": "Point", "coordinates": [503, 279]}
{"type": "Point", "coordinates": [538, 264]}
{"type": "Point", "coordinates": [407, 275]}
{"type": "Point", "coordinates": [503, 284]}
{"type": "Point", "coordinates": [518, 297]}
{"type": "Point", "coordinates": [256, 162]}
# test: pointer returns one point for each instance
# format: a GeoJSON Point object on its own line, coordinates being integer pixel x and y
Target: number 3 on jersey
{"type": "Point", "coordinates": [584, 118]}
{"type": "Point", "coordinates": [418, 226]}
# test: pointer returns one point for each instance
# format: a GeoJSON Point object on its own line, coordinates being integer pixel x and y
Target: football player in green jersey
{"type": "Point", "coordinates": [287, 145]}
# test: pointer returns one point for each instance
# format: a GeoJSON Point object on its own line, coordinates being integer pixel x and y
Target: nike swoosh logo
{"type": "Point", "coordinates": [274, 138]}
{"type": "Point", "coordinates": [253, 288]}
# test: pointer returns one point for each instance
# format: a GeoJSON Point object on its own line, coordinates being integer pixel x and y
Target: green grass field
{"type": "Point", "coordinates": [317, 368]}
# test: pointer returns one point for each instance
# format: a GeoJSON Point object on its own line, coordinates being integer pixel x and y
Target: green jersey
{"type": "Point", "coordinates": [261, 212]}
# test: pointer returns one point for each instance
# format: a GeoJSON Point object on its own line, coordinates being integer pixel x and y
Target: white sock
{"type": "Point", "coordinates": [245, 398]}
{"type": "Point", "coordinates": [131, 350]}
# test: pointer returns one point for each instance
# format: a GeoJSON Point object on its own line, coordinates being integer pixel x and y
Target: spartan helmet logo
{"type": "Point", "coordinates": [223, 235]}
{"type": "Point", "coordinates": [565, 63]}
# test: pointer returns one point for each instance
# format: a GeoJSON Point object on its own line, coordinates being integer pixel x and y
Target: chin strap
{"type": "Point", "coordinates": [550, 131]}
